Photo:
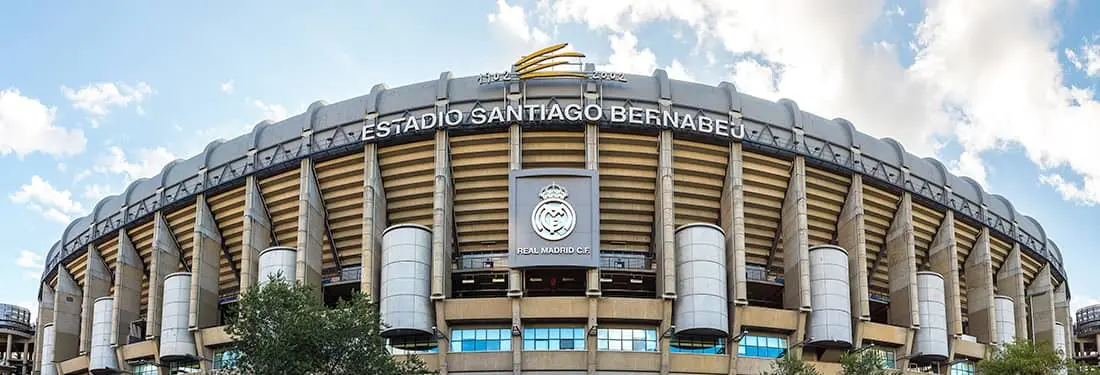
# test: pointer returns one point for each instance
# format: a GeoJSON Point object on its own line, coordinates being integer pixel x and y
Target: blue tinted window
{"type": "Point", "coordinates": [626, 340]}
{"type": "Point", "coordinates": [963, 368]}
{"type": "Point", "coordinates": [761, 346]}
{"type": "Point", "coordinates": [698, 345]}
{"type": "Point", "coordinates": [412, 344]}
{"type": "Point", "coordinates": [481, 340]}
{"type": "Point", "coordinates": [553, 338]}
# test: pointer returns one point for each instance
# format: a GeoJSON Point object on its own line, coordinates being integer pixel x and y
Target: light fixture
{"type": "Point", "coordinates": [516, 331]}
{"type": "Point", "coordinates": [438, 334]}
{"type": "Point", "coordinates": [467, 281]}
{"type": "Point", "coordinates": [536, 279]}
{"type": "Point", "coordinates": [635, 281]}
{"type": "Point", "coordinates": [739, 336]}
{"type": "Point", "coordinates": [670, 331]}
{"type": "Point", "coordinates": [592, 331]}
{"type": "Point", "coordinates": [498, 279]}
{"type": "Point", "coordinates": [488, 263]}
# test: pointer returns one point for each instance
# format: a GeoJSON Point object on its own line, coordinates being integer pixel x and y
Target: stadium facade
{"type": "Point", "coordinates": [545, 221]}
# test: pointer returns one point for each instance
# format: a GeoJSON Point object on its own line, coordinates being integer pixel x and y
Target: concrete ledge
{"type": "Point", "coordinates": [555, 360]}
{"type": "Point", "coordinates": [478, 309]}
{"type": "Point", "coordinates": [699, 363]}
{"type": "Point", "coordinates": [139, 350]}
{"type": "Point", "coordinates": [74, 366]}
{"type": "Point", "coordinates": [215, 336]}
{"type": "Point", "coordinates": [969, 349]}
{"type": "Point", "coordinates": [884, 333]}
{"type": "Point", "coordinates": [431, 360]}
{"type": "Point", "coordinates": [487, 361]}
{"type": "Point", "coordinates": [648, 309]}
{"type": "Point", "coordinates": [628, 361]}
{"type": "Point", "coordinates": [755, 316]}
{"type": "Point", "coordinates": [553, 307]}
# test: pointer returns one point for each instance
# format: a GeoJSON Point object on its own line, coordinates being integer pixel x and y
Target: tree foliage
{"type": "Point", "coordinates": [862, 363]}
{"type": "Point", "coordinates": [1077, 368]}
{"type": "Point", "coordinates": [1022, 357]}
{"type": "Point", "coordinates": [285, 328]}
{"type": "Point", "coordinates": [791, 365]}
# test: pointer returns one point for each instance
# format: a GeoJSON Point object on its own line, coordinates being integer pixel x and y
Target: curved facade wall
{"type": "Point", "coordinates": [102, 359]}
{"type": "Point", "coordinates": [701, 303]}
{"type": "Point", "coordinates": [275, 261]}
{"type": "Point", "coordinates": [1005, 319]}
{"type": "Point", "coordinates": [15, 317]}
{"type": "Point", "coordinates": [405, 297]}
{"type": "Point", "coordinates": [46, 361]}
{"type": "Point", "coordinates": [830, 297]}
{"type": "Point", "coordinates": [176, 341]}
{"type": "Point", "coordinates": [930, 343]}
{"type": "Point", "coordinates": [1087, 322]}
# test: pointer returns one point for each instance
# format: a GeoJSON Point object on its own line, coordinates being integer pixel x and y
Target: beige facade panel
{"type": "Point", "coordinates": [879, 207]}
{"type": "Point", "coordinates": [341, 184]}
{"type": "Point", "coordinates": [407, 178]}
{"type": "Point", "coordinates": [281, 194]}
{"type": "Point", "coordinates": [228, 212]}
{"type": "Point", "coordinates": [553, 149]}
{"type": "Point", "coordinates": [825, 194]}
{"type": "Point", "coordinates": [966, 236]}
{"type": "Point", "coordinates": [479, 169]}
{"type": "Point", "coordinates": [628, 181]}
{"type": "Point", "coordinates": [108, 251]}
{"type": "Point", "coordinates": [766, 180]}
{"type": "Point", "coordinates": [182, 224]}
{"type": "Point", "coordinates": [699, 172]}
{"type": "Point", "coordinates": [926, 222]}
{"type": "Point", "coordinates": [142, 237]}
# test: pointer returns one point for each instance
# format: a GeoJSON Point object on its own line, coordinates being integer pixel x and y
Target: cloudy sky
{"type": "Point", "coordinates": [96, 95]}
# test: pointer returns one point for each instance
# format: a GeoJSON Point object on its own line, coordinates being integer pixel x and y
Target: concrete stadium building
{"type": "Point", "coordinates": [17, 337]}
{"type": "Point", "coordinates": [561, 222]}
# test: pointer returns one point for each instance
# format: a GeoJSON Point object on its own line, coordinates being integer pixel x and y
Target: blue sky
{"type": "Point", "coordinates": [93, 96]}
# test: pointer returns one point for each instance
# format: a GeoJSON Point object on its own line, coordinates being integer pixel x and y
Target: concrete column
{"type": "Point", "coordinates": [1041, 293]}
{"type": "Point", "coordinates": [311, 228]}
{"type": "Point", "coordinates": [1062, 314]}
{"type": "Point", "coordinates": [979, 290]}
{"type": "Point", "coordinates": [1010, 281]}
{"type": "Point", "coordinates": [733, 223]}
{"type": "Point", "coordinates": [7, 350]}
{"type": "Point", "coordinates": [97, 283]}
{"type": "Point", "coordinates": [852, 236]}
{"type": "Point", "coordinates": [945, 261]}
{"type": "Point", "coordinates": [205, 268]}
{"type": "Point", "coordinates": [443, 345]}
{"type": "Point", "coordinates": [206, 360]}
{"type": "Point", "coordinates": [592, 162]}
{"type": "Point", "coordinates": [442, 220]}
{"type": "Point", "coordinates": [374, 221]}
{"type": "Point", "coordinates": [66, 316]}
{"type": "Point", "coordinates": [128, 275]}
{"type": "Point", "coordinates": [257, 233]}
{"type": "Point", "coordinates": [665, 220]}
{"type": "Point", "coordinates": [515, 163]}
{"type": "Point", "coordinates": [46, 298]}
{"type": "Point", "coordinates": [794, 233]}
{"type": "Point", "coordinates": [165, 260]}
{"type": "Point", "coordinates": [902, 258]}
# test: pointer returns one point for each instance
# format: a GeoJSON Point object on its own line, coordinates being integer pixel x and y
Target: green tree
{"type": "Point", "coordinates": [1021, 357]}
{"type": "Point", "coordinates": [791, 365]}
{"type": "Point", "coordinates": [1077, 368]}
{"type": "Point", "coordinates": [862, 363]}
{"type": "Point", "coordinates": [284, 328]}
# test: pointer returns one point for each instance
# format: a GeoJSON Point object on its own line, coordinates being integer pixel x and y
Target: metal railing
{"type": "Point", "coordinates": [626, 261]}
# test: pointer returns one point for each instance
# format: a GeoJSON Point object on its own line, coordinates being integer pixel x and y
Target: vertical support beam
{"type": "Point", "coordinates": [45, 316]}
{"type": "Point", "coordinates": [66, 316]}
{"type": "Point", "coordinates": [515, 276]}
{"type": "Point", "coordinates": [733, 223]}
{"type": "Point", "coordinates": [592, 162]}
{"type": "Point", "coordinates": [794, 234]}
{"type": "Point", "coordinates": [852, 236]}
{"type": "Point", "coordinates": [374, 221]}
{"type": "Point", "coordinates": [311, 228]}
{"type": "Point", "coordinates": [205, 365]}
{"type": "Point", "coordinates": [97, 283]}
{"type": "Point", "coordinates": [166, 259]}
{"type": "Point", "coordinates": [1061, 315]}
{"type": "Point", "coordinates": [127, 305]}
{"type": "Point", "coordinates": [945, 261]}
{"type": "Point", "coordinates": [205, 267]}
{"type": "Point", "coordinates": [1010, 281]}
{"type": "Point", "coordinates": [257, 233]}
{"type": "Point", "coordinates": [902, 259]}
{"type": "Point", "coordinates": [979, 290]}
{"type": "Point", "coordinates": [442, 223]}
{"type": "Point", "coordinates": [1041, 294]}
{"type": "Point", "coordinates": [665, 239]}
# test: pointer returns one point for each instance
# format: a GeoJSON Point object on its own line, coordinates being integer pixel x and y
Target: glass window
{"type": "Point", "coordinates": [553, 338]}
{"type": "Point", "coordinates": [183, 367]}
{"type": "Point", "coordinates": [761, 346]}
{"type": "Point", "coordinates": [886, 355]}
{"type": "Point", "coordinates": [963, 368]}
{"type": "Point", "coordinates": [412, 344]}
{"type": "Point", "coordinates": [226, 358]}
{"type": "Point", "coordinates": [145, 369]}
{"type": "Point", "coordinates": [626, 340]}
{"type": "Point", "coordinates": [481, 340]}
{"type": "Point", "coordinates": [698, 344]}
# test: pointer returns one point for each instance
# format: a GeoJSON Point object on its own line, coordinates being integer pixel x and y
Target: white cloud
{"type": "Point", "coordinates": [54, 204]}
{"type": "Point", "coordinates": [1069, 191]}
{"type": "Point", "coordinates": [227, 86]}
{"type": "Point", "coordinates": [1087, 59]}
{"type": "Point", "coordinates": [511, 20]}
{"type": "Point", "coordinates": [970, 165]}
{"type": "Point", "coordinates": [273, 112]}
{"type": "Point", "coordinates": [95, 192]}
{"type": "Point", "coordinates": [148, 162]}
{"type": "Point", "coordinates": [98, 98]}
{"type": "Point", "coordinates": [30, 259]}
{"type": "Point", "coordinates": [26, 126]}
{"type": "Point", "coordinates": [626, 57]}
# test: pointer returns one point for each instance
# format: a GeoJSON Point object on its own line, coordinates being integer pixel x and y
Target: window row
{"type": "Point", "coordinates": [558, 339]}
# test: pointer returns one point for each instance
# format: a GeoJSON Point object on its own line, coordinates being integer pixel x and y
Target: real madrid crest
{"type": "Point", "coordinates": [553, 218]}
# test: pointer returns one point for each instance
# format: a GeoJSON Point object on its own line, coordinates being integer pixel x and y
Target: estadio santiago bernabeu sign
{"type": "Point", "coordinates": [553, 218]}
{"type": "Point", "coordinates": [538, 66]}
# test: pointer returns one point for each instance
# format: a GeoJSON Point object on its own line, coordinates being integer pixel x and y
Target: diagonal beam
{"type": "Point", "coordinates": [778, 226]}
{"type": "Point", "coordinates": [267, 212]}
{"type": "Point", "coordinates": [324, 210]}
{"type": "Point", "coordinates": [225, 249]}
